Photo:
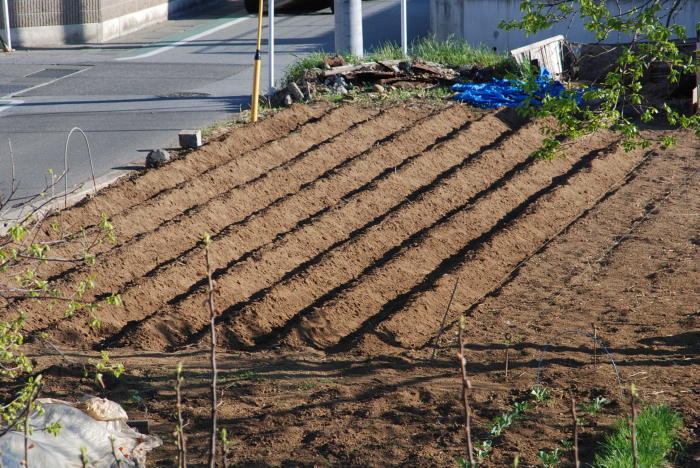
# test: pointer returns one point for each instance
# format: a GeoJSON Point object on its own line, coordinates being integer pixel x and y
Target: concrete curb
{"type": "Point", "coordinates": [50, 35]}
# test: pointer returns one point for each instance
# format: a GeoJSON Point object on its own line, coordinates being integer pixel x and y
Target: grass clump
{"type": "Point", "coordinates": [450, 51]}
{"type": "Point", "coordinates": [241, 118]}
{"type": "Point", "coordinates": [453, 51]}
{"type": "Point", "coordinates": [296, 70]}
{"type": "Point", "coordinates": [359, 96]}
{"type": "Point", "coordinates": [657, 431]}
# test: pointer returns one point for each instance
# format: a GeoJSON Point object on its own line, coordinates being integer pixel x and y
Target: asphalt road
{"type": "Point", "coordinates": [137, 92]}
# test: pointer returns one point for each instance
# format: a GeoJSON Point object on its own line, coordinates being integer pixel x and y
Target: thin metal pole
{"type": "Point", "coordinates": [271, 45]}
{"type": "Point", "coordinates": [404, 29]}
{"type": "Point", "coordinates": [256, 70]}
{"type": "Point", "coordinates": [6, 16]}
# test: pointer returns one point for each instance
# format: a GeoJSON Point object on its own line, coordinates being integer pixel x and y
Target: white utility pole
{"type": "Point", "coordinates": [6, 16]}
{"type": "Point", "coordinates": [271, 45]}
{"type": "Point", "coordinates": [348, 27]}
{"type": "Point", "coordinates": [404, 29]}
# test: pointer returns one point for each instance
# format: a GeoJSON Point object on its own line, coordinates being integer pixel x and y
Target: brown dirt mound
{"type": "Point", "coordinates": [341, 232]}
{"type": "Point", "coordinates": [337, 231]}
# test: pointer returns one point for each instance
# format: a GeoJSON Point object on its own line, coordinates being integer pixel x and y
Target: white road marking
{"type": "Point", "coordinates": [31, 88]}
{"type": "Point", "coordinates": [4, 105]}
{"type": "Point", "coordinates": [160, 50]}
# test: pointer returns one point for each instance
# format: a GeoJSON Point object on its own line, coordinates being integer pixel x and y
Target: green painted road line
{"type": "Point", "coordinates": [184, 37]}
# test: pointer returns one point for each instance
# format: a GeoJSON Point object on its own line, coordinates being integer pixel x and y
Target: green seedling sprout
{"type": "Point", "coordinates": [594, 406]}
{"type": "Point", "coordinates": [549, 459]}
{"type": "Point", "coordinates": [539, 394]}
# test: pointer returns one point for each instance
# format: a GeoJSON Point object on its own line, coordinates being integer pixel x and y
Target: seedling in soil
{"type": "Point", "coordinates": [481, 449]}
{"type": "Point", "coordinates": [248, 375]}
{"type": "Point", "coordinates": [519, 407]}
{"type": "Point", "coordinates": [304, 386]}
{"type": "Point", "coordinates": [549, 459]}
{"type": "Point", "coordinates": [501, 422]}
{"type": "Point", "coordinates": [105, 364]}
{"type": "Point", "coordinates": [225, 447]}
{"type": "Point", "coordinates": [540, 394]}
{"type": "Point", "coordinates": [594, 406]}
{"type": "Point", "coordinates": [497, 429]}
{"type": "Point", "coordinates": [506, 419]}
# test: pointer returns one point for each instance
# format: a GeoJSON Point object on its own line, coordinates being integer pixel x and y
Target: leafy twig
{"type": "Point", "coordinates": [179, 431]}
{"type": "Point", "coordinates": [595, 344]}
{"type": "Point", "coordinates": [466, 389]}
{"type": "Point", "coordinates": [577, 463]}
{"type": "Point", "coordinates": [507, 344]}
{"type": "Point", "coordinates": [214, 370]}
{"type": "Point", "coordinates": [225, 444]}
{"type": "Point", "coordinates": [633, 424]}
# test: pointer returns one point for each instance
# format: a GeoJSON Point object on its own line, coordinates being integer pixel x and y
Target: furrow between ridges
{"type": "Point", "coordinates": [484, 262]}
{"type": "Point", "coordinates": [135, 190]}
{"type": "Point", "coordinates": [142, 252]}
{"type": "Point", "coordinates": [266, 266]}
{"type": "Point", "coordinates": [271, 308]}
{"type": "Point", "coordinates": [141, 296]}
{"type": "Point", "coordinates": [194, 193]}
{"type": "Point", "coordinates": [469, 214]}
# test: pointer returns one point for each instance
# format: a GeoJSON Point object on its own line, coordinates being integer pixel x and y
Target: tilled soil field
{"type": "Point", "coordinates": [339, 235]}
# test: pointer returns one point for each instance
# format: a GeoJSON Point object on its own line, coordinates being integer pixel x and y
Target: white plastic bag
{"type": "Point", "coordinates": [105, 436]}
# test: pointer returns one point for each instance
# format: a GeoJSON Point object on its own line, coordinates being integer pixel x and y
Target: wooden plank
{"type": "Point", "coordinates": [548, 53]}
{"type": "Point", "coordinates": [346, 69]}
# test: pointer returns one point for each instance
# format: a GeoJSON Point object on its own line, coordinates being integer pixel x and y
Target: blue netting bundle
{"type": "Point", "coordinates": [509, 93]}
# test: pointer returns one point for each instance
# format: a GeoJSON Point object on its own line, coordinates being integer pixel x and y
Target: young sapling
{"type": "Point", "coordinates": [466, 389]}
{"type": "Point", "coordinates": [633, 424]}
{"type": "Point", "coordinates": [595, 345]}
{"type": "Point", "coordinates": [507, 345]}
{"type": "Point", "coordinates": [212, 350]}
{"type": "Point", "coordinates": [180, 439]}
{"type": "Point", "coordinates": [577, 463]}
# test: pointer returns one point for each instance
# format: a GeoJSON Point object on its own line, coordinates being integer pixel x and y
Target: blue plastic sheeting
{"type": "Point", "coordinates": [508, 93]}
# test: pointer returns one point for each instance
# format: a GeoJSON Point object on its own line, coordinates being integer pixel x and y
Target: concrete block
{"type": "Point", "coordinates": [190, 138]}
{"type": "Point", "coordinates": [295, 92]}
